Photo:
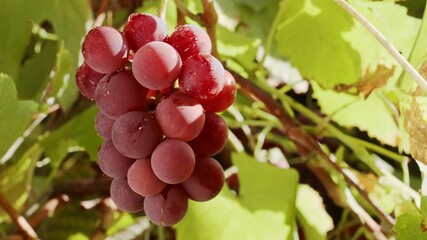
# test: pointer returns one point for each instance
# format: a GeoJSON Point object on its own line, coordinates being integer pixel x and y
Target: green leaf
{"type": "Point", "coordinates": [16, 178]}
{"type": "Point", "coordinates": [366, 114]}
{"type": "Point", "coordinates": [76, 135]}
{"type": "Point", "coordinates": [410, 222]}
{"type": "Point", "coordinates": [67, 17]}
{"type": "Point", "coordinates": [264, 209]}
{"type": "Point", "coordinates": [16, 114]}
{"type": "Point", "coordinates": [329, 47]}
{"type": "Point", "coordinates": [312, 215]}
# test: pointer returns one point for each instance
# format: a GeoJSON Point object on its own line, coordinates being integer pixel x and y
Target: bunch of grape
{"type": "Point", "coordinates": [159, 136]}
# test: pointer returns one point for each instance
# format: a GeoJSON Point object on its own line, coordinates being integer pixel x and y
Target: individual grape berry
{"type": "Point", "coordinates": [224, 99]}
{"type": "Point", "coordinates": [136, 134]}
{"type": "Point", "coordinates": [123, 196]}
{"type": "Point", "coordinates": [142, 179]}
{"type": "Point", "coordinates": [142, 28]}
{"type": "Point", "coordinates": [190, 40]}
{"type": "Point", "coordinates": [105, 49]}
{"type": "Point", "coordinates": [173, 161]}
{"type": "Point", "coordinates": [212, 138]}
{"type": "Point", "coordinates": [103, 125]}
{"type": "Point", "coordinates": [156, 65]}
{"type": "Point", "coordinates": [168, 207]}
{"type": "Point", "coordinates": [202, 77]}
{"type": "Point", "coordinates": [180, 117]}
{"type": "Point", "coordinates": [119, 93]}
{"type": "Point", "coordinates": [111, 162]}
{"type": "Point", "coordinates": [206, 181]}
{"type": "Point", "coordinates": [87, 79]}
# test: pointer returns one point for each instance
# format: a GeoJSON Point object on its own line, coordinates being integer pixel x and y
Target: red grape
{"type": "Point", "coordinates": [212, 138]}
{"type": "Point", "coordinates": [206, 181]}
{"type": "Point", "coordinates": [173, 161]}
{"type": "Point", "coordinates": [142, 28]}
{"type": "Point", "coordinates": [168, 207]}
{"type": "Point", "coordinates": [103, 125]}
{"type": "Point", "coordinates": [87, 79]}
{"type": "Point", "coordinates": [202, 77]}
{"type": "Point", "coordinates": [136, 134]}
{"type": "Point", "coordinates": [190, 40]}
{"type": "Point", "coordinates": [123, 196]}
{"type": "Point", "coordinates": [180, 117]}
{"type": "Point", "coordinates": [119, 93]}
{"type": "Point", "coordinates": [224, 99]}
{"type": "Point", "coordinates": [111, 162]}
{"type": "Point", "coordinates": [105, 49]}
{"type": "Point", "coordinates": [156, 65]}
{"type": "Point", "coordinates": [142, 179]}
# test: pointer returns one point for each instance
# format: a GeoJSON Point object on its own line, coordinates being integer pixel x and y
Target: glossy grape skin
{"type": "Point", "coordinates": [124, 198]}
{"type": "Point", "coordinates": [119, 93]}
{"type": "Point", "coordinates": [224, 99]}
{"type": "Point", "coordinates": [142, 179]}
{"type": "Point", "coordinates": [105, 49]}
{"type": "Point", "coordinates": [135, 134]}
{"type": "Point", "coordinates": [103, 125]}
{"type": "Point", "coordinates": [202, 77]}
{"type": "Point", "coordinates": [212, 138]}
{"type": "Point", "coordinates": [111, 162]}
{"type": "Point", "coordinates": [206, 181]}
{"type": "Point", "coordinates": [190, 40]}
{"type": "Point", "coordinates": [173, 161]}
{"type": "Point", "coordinates": [87, 79]}
{"type": "Point", "coordinates": [143, 28]}
{"type": "Point", "coordinates": [180, 117]}
{"type": "Point", "coordinates": [168, 207]}
{"type": "Point", "coordinates": [156, 65]}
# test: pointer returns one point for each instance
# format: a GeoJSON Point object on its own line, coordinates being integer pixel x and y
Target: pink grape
{"type": "Point", "coordinates": [136, 134]}
{"type": "Point", "coordinates": [168, 207]}
{"type": "Point", "coordinates": [105, 49]}
{"type": "Point", "coordinates": [123, 196]}
{"type": "Point", "coordinates": [119, 93]}
{"type": "Point", "coordinates": [111, 162]}
{"type": "Point", "coordinates": [173, 161]}
{"type": "Point", "coordinates": [202, 77]}
{"type": "Point", "coordinates": [225, 98]}
{"type": "Point", "coordinates": [156, 65]}
{"type": "Point", "coordinates": [142, 179]}
{"type": "Point", "coordinates": [87, 79]}
{"type": "Point", "coordinates": [103, 125]}
{"type": "Point", "coordinates": [212, 138]}
{"type": "Point", "coordinates": [190, 40]}
{"type": "Point", "coordinates": [143, 28]}
{"type": "Point", "coordinates": [206, 181]}
{"type": "Point", "coordinates": [180, 117]}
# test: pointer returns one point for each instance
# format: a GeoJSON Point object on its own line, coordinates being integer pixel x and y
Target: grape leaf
{"type": "Point", "coordinates": [16, 178]}
{"type": "Point", "coordinates": [264, 209]}
{"type": "Point", "coordinates": [16, 114]}
{"type": "Point", "coordinates": [410, 222]}
{"type": "Point", "coordinates": [413, 100]}
{"type": "Point", "coordinates": [76, 135]}
{"type": "Point", "coordinates": [348, 110]}
{"type": "Point", "coordinates": [329, 47]}
{"type": "Point", "coordinates": [68, 19]}
{"type": "Point", "coordinates": [312, 215]}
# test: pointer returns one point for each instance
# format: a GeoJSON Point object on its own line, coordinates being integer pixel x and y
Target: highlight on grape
{"type": "Point", "coordinates": [158, 97]}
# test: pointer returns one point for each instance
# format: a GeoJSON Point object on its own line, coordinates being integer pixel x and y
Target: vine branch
{"type": "Point", "coordinates": [163, 7]}
{"type": "Point", "coordinates": [19, 220]}
{"type": "Point", "coordinates": [385, 43]}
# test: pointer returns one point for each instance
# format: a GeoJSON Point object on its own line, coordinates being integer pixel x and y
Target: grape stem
{"type": "Point", "coordinates": [19, 220]}
{"type": "Point", "coordinates": [163, 7]}
{"type": "Point", "coordinates": [416, 76]}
